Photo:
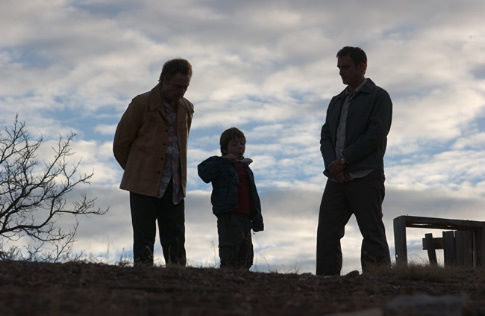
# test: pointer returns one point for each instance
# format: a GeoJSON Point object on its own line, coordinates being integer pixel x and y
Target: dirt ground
{"type": "Point", "coordinates": [35, 288]}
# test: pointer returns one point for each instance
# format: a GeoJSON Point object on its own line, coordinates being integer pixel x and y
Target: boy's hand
{"type": "Point", "coordinates": [257, 225]}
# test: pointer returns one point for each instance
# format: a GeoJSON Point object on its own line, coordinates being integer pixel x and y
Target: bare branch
{"type": "Point", "coordinates": [34, 193]}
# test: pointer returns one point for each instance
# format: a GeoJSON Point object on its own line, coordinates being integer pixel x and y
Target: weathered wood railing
{"type": "Point", "coordinates": [457, 248]}
{"type": "Point", "coordinates": [463, 246]}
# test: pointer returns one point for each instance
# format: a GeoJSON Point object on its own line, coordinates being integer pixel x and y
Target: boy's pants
{"type": "Point", "coordinates": [362, 197]}
{"type": "Point", "coordinates": [145, 211]}
{"type": "Point", "coordinates": [235, 244]}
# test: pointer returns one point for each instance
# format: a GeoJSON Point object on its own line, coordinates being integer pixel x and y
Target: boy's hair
{"type": "Point", "coordinates": [356, 54]}
{"type": "Point", "coordinates": [175, 66]}
{"type": "Point", "coordinates": [228, 135]}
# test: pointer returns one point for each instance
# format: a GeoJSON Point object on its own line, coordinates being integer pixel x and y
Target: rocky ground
{"type": "Point", "coordinates": [35, 288]}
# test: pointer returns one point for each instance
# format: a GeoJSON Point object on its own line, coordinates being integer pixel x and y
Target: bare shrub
{"type": "Point", "coordinates": [35, 195]}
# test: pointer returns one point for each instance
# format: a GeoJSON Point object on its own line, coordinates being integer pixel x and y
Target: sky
{"type": "Point", "coordinates": [268, 68]}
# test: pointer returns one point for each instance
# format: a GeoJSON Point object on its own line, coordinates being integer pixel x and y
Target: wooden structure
{"type": "Point", "coordinates": [457, 248]}
{"type": "Point", "coordinates": [465, 245]}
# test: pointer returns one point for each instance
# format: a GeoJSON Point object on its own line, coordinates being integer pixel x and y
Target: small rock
{"type": "Point", "coordinates": [305, 276]}
{"type": "Point", "coordinates": [424, 304]}
{"type": "Point", "coordinates": [365, 312]}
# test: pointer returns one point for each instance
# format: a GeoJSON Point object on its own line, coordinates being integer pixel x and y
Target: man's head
{"type": "Point", "coordinates": [233, 142]}
{"type": "Point", "coordinates": [352, 64]}
{"type": "Point", "coordinates": [175, 79]}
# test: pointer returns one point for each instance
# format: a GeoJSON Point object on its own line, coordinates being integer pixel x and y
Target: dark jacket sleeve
{"type": "Point", "coordinates": [257, 223]}
{"type": "Point", "coordinates": [378, 128]}
{"type": "Point", "coordinates": [210, 168]}
{"type": "Point", "coordinates": [327, 146]}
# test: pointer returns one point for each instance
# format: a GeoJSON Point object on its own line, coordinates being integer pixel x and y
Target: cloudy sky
{"type": "Point", "coordinates": [269, 68]}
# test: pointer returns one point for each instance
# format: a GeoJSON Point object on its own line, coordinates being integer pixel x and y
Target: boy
{"type": "Point", "coordinates": [234, 199]}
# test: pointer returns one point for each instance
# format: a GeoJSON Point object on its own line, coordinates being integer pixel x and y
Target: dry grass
{"type": "Point", "coordinates": [96, 289]}
{"type": "Point", "coordinates": [428, 273]}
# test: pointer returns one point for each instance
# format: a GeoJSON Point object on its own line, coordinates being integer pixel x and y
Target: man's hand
{"type": "Point", "coordinates": [341, 177]}
{"type": "Point", "coordinates": [336, 169]}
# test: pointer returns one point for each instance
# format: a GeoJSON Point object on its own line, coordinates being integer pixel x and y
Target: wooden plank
{"type": "Point", "coordinates": [441, 223]}
{"type": "Point", "coordinates": [400, 247]}
{"type": "Point", "coordinates": [468, 248]}
{"type": "Point", "coordinates": [429, 245]}
{"type": "Point", "coordinates": [449, 249]}
{"type": "Point", "coordinates": [460, 248]}
{"type": "Point", "coordinates": [437, 243]}
{"type": "Point", "coordinates": [479, 248]}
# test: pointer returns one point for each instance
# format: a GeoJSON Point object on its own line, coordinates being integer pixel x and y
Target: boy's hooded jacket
{"type": "Point", "coordinates": [223, 175]}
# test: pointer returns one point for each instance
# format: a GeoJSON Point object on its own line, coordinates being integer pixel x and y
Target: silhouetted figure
{"type": "Point", "coordinates": [353, 143]}
{"type": "Point", "coordinates": [235, 200]}
{"type": "Point", "coordinates": [150, 144]}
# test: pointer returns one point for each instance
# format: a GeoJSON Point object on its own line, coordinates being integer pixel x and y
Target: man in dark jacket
{"type": "Point", "coordinates": [353, 143]}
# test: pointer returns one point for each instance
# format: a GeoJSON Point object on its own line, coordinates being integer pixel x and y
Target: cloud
{"type": "Point", "coordinates": [106, 129]}
{"type": "Point", "coordinates": [268, 68]}
{"type": "Point", "coordinates": [443, 170]}
{"type": "Point", "coordinates": [291, 215]}
{"type": "Point", "coordinates": [474, 142]}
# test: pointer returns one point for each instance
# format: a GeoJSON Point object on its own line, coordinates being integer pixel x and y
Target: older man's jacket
{"type": "Point", "coordinates": [141, 141]}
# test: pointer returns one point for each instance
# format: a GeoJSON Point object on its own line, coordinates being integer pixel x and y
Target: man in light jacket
{"type": "Point", "coordinates": [353, 143]}
{"type": "Point", "coordinates": [150, 144]}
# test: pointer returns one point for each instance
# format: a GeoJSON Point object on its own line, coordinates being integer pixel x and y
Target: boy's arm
{"type": "Point", "coordinates": [257, 223]}
{"type": "Point", "coordinates": [209, 168]}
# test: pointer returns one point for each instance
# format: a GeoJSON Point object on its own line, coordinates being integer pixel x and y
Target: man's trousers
{"type": "Point", "coordinates": [362, 197]}
{"type": "Point", "coordinates": [145, 212]}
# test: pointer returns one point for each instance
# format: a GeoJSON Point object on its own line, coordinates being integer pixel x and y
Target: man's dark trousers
{"type": "Point", "coordinates": [145, 211]}
{"type": "Point", "coordinates": [362, 197]}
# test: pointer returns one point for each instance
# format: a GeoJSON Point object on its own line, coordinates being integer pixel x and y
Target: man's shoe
{"type": "Point", "coordinates": [352, 274]}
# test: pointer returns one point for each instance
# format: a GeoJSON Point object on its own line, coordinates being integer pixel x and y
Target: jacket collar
{"type": "Point", "coordinates": [366, 88]}
{"type": "Point", "coordinates": [155, 102]}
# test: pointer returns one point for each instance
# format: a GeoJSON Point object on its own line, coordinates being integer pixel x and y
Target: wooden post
{"type": "Point", "coordinates": [460, 249]}
{"type": "Point", "coordinates": [400, 246]}
{"type": "Point", "coordinates": [479, 242]}
{"type": "Point", "coordinates": [464, 250]}
{"type": "Point", "coordinates": [428, 244]}
{"type": "Point", "coordinates": [468, 248]}
{"type": "Point", "coordinates": [449, 248]}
